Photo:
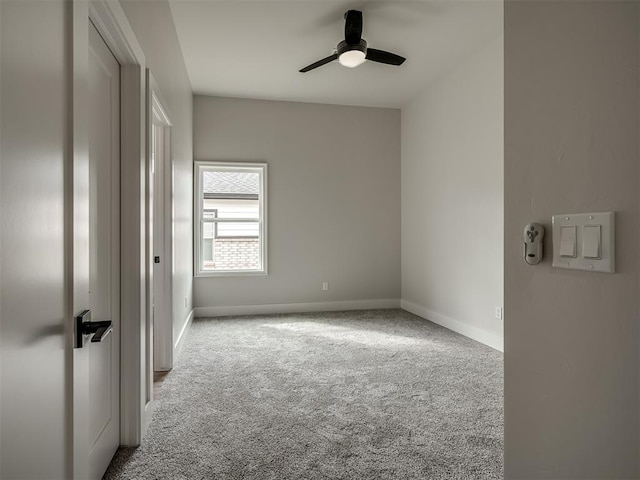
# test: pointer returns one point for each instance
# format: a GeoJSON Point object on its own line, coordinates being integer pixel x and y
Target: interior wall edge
{"type": "Point", "coordinates": [487, 338]}
{"type": "Point", "coordinates": [179, 342]}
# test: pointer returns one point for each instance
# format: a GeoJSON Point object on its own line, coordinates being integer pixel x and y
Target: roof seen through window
{"type": "Point", "coordinates": [237, 183]}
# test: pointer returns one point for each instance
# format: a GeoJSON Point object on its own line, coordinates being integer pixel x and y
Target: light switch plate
{"type": "Point", "coordinates": [607, 261]}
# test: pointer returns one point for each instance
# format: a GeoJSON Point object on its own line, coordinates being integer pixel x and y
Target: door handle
{"type": "Point", "coordinates": [100, 330]}
{"type": "Point", "coordinates": [84, 326]}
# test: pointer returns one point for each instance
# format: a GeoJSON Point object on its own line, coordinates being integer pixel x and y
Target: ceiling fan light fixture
{"type": "Point", "coordinates": [352, 58]}
{"type": "Point", "coordinates": [353, 51]}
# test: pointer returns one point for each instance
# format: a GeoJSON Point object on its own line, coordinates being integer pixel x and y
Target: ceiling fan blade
{"type": "Point", "coordinates": [353, 27]}
{"type": "Point", "coordinates": [381, 56]}
{"type": "Point", "coordinates": [319, 63]}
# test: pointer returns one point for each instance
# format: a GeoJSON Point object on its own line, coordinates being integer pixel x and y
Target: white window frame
{"type": "Point", "coordinates": [199, 168]}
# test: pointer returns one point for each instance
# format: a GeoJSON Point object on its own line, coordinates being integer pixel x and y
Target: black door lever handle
{"type": "Point", "coordinates": [84, 326]}
{"type": "Point", "coordinates": [100, 330]}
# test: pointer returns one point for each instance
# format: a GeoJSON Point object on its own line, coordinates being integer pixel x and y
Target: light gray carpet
{"type": "Point", "coordinates": [376, 394]}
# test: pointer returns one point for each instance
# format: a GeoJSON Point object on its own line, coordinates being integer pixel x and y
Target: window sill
{"type": "Point", "coordinates": [232, 273]}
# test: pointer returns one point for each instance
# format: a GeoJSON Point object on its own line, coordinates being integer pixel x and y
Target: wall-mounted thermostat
{"type": "Point", "coordinates": [584, 241]}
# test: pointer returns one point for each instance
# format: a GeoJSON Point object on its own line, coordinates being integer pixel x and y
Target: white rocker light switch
{"type": "Point", "coordinates": [591, 241]}
{"type": "Point", "coordinates": [568, 241]}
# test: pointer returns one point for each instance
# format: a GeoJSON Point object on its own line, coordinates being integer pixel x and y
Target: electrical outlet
{"type": "Point", "coordinates": [325, 286]}
{"type": "Point", "coordinates": [499, 313]}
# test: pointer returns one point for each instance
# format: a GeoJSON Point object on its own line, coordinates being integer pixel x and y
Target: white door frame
{"type": "Point", "coordinates": [162, 341]}
{"type": "Point", "coordinates": [110, 20]}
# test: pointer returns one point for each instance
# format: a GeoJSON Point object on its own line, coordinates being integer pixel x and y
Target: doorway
{"type": "Point", "coordinates": [160, 328]}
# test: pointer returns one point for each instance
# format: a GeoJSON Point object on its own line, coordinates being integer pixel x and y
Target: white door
{"type": "Point", "coordinates": [158, 237]}
{"type": "Point", "coordinates": [103, 358]}
{"type": "Point", "coordinates": [162, 356]}
{"type": "Point", "coordinates": [160, 183]}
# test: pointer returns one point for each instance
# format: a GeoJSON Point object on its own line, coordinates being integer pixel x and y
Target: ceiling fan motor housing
{"type": "Point", "coordinates": [346, 47]}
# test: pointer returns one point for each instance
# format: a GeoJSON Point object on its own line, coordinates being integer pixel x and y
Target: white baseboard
{"type": "Point", "coordinates": [181, 336]}
{"type": "Point", "coordinates": [490, 339]}
{"type": "Point", "coordinates": [296, 307]}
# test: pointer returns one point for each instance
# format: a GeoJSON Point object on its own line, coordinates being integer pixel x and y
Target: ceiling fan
{"type": "Point", "coordinates": [353, 51]}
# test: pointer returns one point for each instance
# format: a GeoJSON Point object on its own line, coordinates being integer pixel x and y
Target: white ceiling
{"type": "Point", "coordinates": [254, 49]}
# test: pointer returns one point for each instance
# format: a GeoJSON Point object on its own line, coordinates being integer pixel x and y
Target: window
{"type": "Point", "coordinates": [231, 226]}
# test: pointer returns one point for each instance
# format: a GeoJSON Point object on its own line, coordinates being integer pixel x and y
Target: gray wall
{"type": "Point", "coordinates": [333, 194]}
{"type": "Point", "coordinates": [571, 145]}
{"type": "Point", "coordinates": [153, 25]}
{"type": "Point", "coordinates": [33, 147]}
{"type": "Point", "coordinates": [452, 210]}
